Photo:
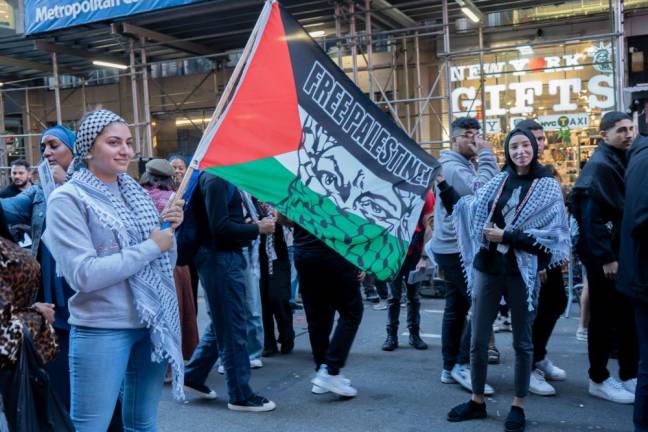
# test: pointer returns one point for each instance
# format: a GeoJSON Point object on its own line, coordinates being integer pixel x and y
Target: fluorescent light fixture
{"type": "Point", "coordinates": [525, 49]}
{"type": "Point", "coordinates": [109, 64]}
{"type": "Point", "coordinates": [1, 84]}
{"type": "Point", "coordinates": [470, 14]}
{"type": "Point", "coordinates": [318, 33]}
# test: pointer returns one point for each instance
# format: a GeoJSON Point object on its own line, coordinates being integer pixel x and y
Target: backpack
{"type": "Point", "coordinates": [192, 233]}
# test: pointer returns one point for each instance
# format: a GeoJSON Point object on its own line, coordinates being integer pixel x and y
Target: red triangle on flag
{"type": "Point", "coordinates": [262, 120]}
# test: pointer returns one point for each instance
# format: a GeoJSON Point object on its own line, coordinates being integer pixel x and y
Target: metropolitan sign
{"type": "Point", "coordinates": [46, 15]}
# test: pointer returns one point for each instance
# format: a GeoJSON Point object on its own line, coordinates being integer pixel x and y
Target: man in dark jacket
{"type": "Point", "coordinates": [633, 256]}
{"type": "Point", "coordinates": [221, 266]}
{"type": "Point", "coordinates": [598, 208]}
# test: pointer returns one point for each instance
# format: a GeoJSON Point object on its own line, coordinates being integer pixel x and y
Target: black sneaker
{"type": "Point", "coordinates": [416, 341]}
{"type": "Point", "coordinates": [493, 355]}
{"type": "Point", "coordinates": [470, 410]}
{"type": "Point", "coordinates": [391, 343]}
{"type": "Point", "coordinates": [200, 390]}
{"type": "Point", "coordinates": [255, 403]}
{"type": "Point", "coordinates": [372, 296]}
{"type": "Point", "coordinates": [515, 421]}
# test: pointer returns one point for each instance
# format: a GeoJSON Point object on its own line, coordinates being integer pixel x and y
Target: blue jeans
{"type": "Point", "coordinates": [254, 317]}
{"type": "Point", "coordinates": [222, 275]}
{"type": "Point", "coordinates": [103, 361]}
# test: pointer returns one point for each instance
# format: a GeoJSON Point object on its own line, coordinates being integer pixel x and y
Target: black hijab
{"type": "Point", "coordinates": [537, 170]}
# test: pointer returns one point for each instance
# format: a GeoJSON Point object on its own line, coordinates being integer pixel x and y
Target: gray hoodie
{"type": "Point", "coordinates": [465, 177]}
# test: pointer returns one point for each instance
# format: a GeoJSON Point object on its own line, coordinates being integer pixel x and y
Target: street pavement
{"type": "Point", "coordinates": [400, 390]}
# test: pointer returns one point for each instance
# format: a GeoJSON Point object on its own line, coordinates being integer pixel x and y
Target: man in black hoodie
{"type": "Point", "coordinates": [598, 207]}
{"type": "Point", "coordinates": [633, 256]}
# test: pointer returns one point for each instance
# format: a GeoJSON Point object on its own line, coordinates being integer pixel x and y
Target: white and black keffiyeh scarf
{"type": "Point", "coordinates": [132, 220]}
{"type": "Point", "coordinates": [542, 216]}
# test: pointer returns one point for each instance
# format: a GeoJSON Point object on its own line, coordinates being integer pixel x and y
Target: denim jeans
{"type": "Point", "coordinates": [254, 317]}
{"type": "Point", "coordinates": [455, 330]}
{"type": "Point", "coordinates": [222, 275]}
{"type": "Point", "coordinates": [641, 395]}
{"type": "Point", "coordinates": [103, 361]}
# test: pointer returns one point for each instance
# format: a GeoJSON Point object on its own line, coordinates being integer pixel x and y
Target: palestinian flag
{"type": "Point", "coordinates": [297, 133]}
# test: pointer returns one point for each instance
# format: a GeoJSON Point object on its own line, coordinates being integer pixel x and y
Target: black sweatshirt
{"type": "Point", "coordinates": [223, 215]}
{"type": "Point", "coordinates": [489, 259]}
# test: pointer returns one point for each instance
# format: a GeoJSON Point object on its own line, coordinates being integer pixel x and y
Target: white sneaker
{"type": "Point", "coordinates": [581, 334]}
{"type": "Point", "coordinates": [630, 385]}
{"type": "Point", "coordinates": [446, 377]}
{"type": "Point", "coordinates": [319, 390]}
{"type": "Point", "coordinates": [611, 390]}
{"type": "Point", "coordinates": [221, 369]}
{"type": "Point", "coordinates": [381, 305]}
{"type": "Point", "coordinates": [539, 386]}
{"type": "Point", "coordinates": [461, 374]}
{"type": "Point", "coordinates": [551, 371]}
{"type": "Point", "coordinates": [333, 383]}
{"type": "Point", "coordinates": [256, 364]}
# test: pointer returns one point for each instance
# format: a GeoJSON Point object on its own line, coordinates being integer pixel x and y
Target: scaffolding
{"type": "Point", "coordinates": [406, 71]}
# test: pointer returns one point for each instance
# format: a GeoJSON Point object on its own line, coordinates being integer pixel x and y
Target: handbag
{"type": "Point", "coordinates": [30, 403]}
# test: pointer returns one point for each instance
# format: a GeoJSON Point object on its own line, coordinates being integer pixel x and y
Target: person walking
{"type": "Point", "coordinates": [223, 233]}
{"type": "Point", "coordinates": [598, 198]}
{"type": "Point", "coordinates": [508, 231]}
{"type": "Point", "coordinates": [465, 177]}
{"type": "Point", "coordinates": [633, 256]}
{"type": "Point", "coordinates": [103, 232]}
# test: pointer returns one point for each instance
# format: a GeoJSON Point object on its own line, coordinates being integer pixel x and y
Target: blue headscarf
{"type": "Point", "coordinates": [63, 134]}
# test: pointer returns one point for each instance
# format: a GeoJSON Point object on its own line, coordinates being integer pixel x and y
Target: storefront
{"type": "Point", "coordinates": [566, 88]}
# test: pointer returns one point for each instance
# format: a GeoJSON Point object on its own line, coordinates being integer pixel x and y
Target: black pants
{"type": "Point", "coordinates": [641, 395]}
{"type": "Point", "coordinates": [413, 298]}
{"type": "Point", "coordinates": [611, 320]}
{"type": "Point", "coordinates": [552, 302]}
{"type": "Point", "coordinates": [275, 301]}
{"type": "Point", "coordinates": [455, 330]}
{"type": "Point", "coordinates": [329, 284]}
{"type": "Point", "coordinates": [370, 281]}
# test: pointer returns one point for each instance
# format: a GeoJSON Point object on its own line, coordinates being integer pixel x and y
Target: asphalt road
{"type": "Point", "coordinates": [400, 390]}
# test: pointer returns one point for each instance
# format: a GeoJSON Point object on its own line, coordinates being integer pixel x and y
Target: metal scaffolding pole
{"type": "Point", "coordinates": [482, 79]}
{"type": "Point", "coordinates": [619, 64]}
{"type": "Point", "coordinates": [338, 33]}
{"type": "Point", "coordinates": [369, 48]}
{"type": "Point", "coordinates": [395, 74]}
{"type": "Point", "coordinates": [57, 90]}
{"type": "Point", "coordinates": [3, 145]}
{"type": "Point", "coordinates": [28, 147]}
{"type": "Point", "coordinates": [354, 44]}
{"type": "Point", "coordinates": [408, 122]}
{"type": "Point", "coordinates": [84, 100]}
{"type": "Point", "coordinates": [136, 118]}
{"type": "Point", "coordinates": [147, 103]}
{"type": "Point", "coordinates": [419, 90]}
{"type": "Point", "coordinates": [446, 52]}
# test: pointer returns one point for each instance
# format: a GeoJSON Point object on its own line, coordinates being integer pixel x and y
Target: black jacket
{"type": "Point", "coordinates": [222, 215]}
{"type": "Point", "coordinates": [598, 200]}
{"type": "Point", "coordinates": [633, 252]}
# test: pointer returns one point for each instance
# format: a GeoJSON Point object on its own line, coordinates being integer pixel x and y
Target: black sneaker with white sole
{"type": "Point", "coordinates": [255, 403]}
{"type": "Point", "coordinates": [200, 390]}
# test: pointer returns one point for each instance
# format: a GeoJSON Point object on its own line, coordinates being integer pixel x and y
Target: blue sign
{"type": "Point", "coordinates": [46, 15]}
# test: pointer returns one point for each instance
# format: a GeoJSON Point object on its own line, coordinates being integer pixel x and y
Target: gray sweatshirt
{"type": "Point", "coordinates": [465, 177]}
{"type": "Point", "coordinates": [89, 257]}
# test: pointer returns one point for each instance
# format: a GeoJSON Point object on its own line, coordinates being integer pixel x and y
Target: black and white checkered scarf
{"type": "Point", "coordinates": [132, 220]}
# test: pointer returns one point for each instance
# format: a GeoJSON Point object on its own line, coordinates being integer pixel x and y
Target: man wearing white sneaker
{"type": "Point", "coordinates": [599, 204]}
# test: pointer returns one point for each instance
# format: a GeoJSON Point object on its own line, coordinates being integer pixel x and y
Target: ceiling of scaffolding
{"type": "Point", "coordinates": [216, 26]}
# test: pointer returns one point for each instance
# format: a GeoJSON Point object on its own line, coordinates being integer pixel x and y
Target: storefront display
{"type": "Point", "coordinates": [566, 88]}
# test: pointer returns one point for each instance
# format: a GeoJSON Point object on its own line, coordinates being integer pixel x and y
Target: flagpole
{"type": "Point", "coordinates": [224, 99]}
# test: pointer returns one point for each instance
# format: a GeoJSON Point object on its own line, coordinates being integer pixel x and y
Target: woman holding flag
{"type": "Point", "coordinates": [104, 233]}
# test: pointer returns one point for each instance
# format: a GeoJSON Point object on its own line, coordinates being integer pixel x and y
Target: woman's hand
{"type": "Point", "coordinates": [173, 213]}
{"type": "Point", "coordinates": [495, 235]}
{"type": "Point", "coordinates": [58, 174]}
{"type": "Point", "coordinates": [163, 238]}
{"type": "Point", "coordinates": [47, 309]}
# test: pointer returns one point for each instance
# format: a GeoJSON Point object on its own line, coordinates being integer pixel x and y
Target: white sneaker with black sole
{"type": "Point", "coordinates": [611, 390]}
{"type": "Point", "coordinates": [319, 390]}
{"type": "Point", "coordinates": [461, 374]}
{"type": "Point", "coordinates": [630, 385]}
{"type": "Point", "coordinates": [334, 383]}
{"type": "Point", "coordinates": [538, 385]}
{"type": "Point", "coordinates": [256, 364]}
{"type": "Point", "coordinates": [551, 371]}
{"type": "Point", "coordinates": [254, 404]}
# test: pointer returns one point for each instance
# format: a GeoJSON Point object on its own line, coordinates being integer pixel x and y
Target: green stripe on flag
{"type": "Point", "coordinates": [370, 247]}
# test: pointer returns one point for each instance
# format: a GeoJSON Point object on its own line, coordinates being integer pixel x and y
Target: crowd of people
{"type": "Point", "coordinates": [107, 294]}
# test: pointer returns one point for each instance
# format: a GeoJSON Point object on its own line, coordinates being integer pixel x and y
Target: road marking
{"type": "Point", "coordinates": [433, 311]}
{"type": "Point", "coordinates": [425, 335]}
